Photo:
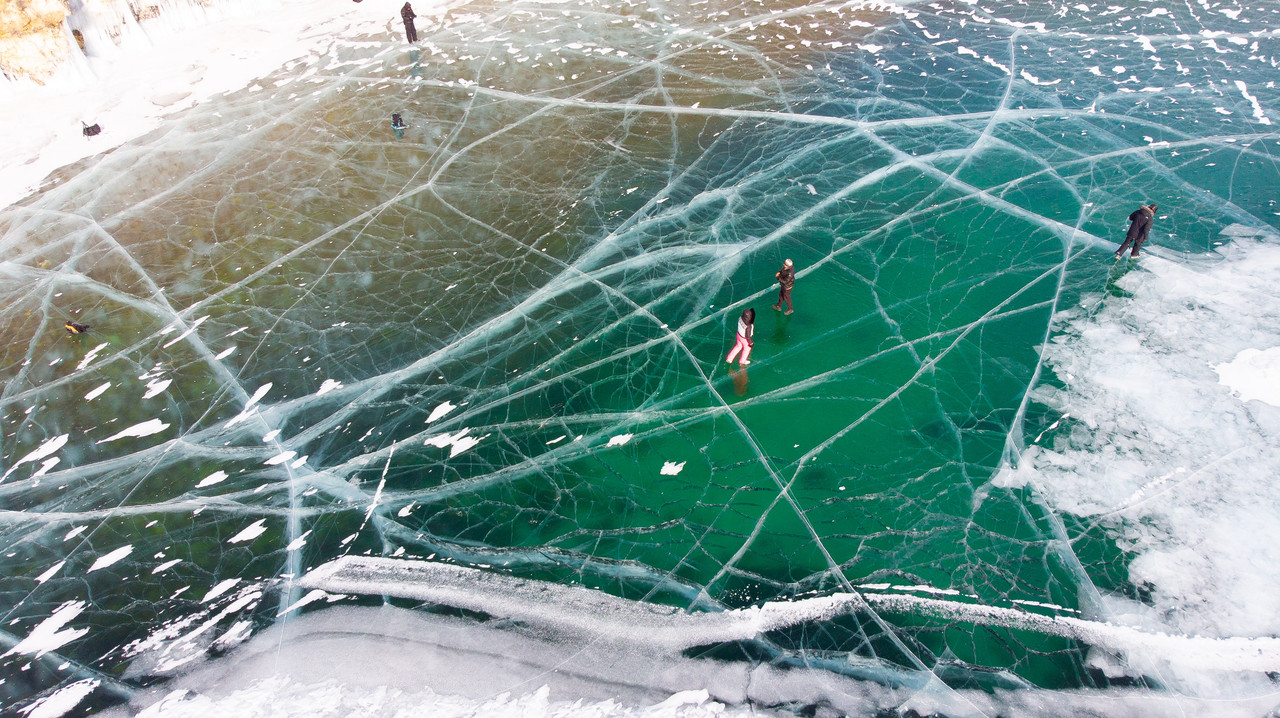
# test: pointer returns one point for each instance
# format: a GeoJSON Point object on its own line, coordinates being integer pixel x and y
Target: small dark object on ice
{"type": "Point", "coordinates": [75, 328]}
{"type": "Point", "coordinates": [397, 122]}
{"type": "Point", "coordinates": [91, 130]}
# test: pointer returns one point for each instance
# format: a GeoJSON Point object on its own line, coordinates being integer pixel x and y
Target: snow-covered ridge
{"type": "Point", "coordinates": [576, 610]}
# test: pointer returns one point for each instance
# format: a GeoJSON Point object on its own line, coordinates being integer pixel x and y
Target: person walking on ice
{"type": "Point", "coordinates": [786, 280]}
{"type": "Point", "coordinates": [1139, 227]}
{"type": "Point", "coordinates": [746, 340]}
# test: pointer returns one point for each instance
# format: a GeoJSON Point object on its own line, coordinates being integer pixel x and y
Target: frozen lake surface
{"type": "Point", "coordinates": [437, 420]}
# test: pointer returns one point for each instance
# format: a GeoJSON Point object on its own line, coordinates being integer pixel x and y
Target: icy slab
{"type": "Point", "coordinates": [1253, 374]}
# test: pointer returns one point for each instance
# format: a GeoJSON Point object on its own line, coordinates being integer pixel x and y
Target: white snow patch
{"type": "Point", "coordinates": [49, 635]}
{"type": "Point", "coordinates": [146, 428]}
{"type": "Point", "coordinates": [166, 566]}
{"type": "Point", "coordinates": [1253, 374]}
{"type": "Point", "coordinates": [280, 458]}
{"type": "Point", "coordinates": [90, 356]}
{"type": "Point", "coordinates": [1258, 114]}
{"type": "Point", "coordinates": [187, 333]}
{"type": "Point", "coordinates": [106, 560]}
{"type": "Point", "coordinates": [1158, 449]}
{"type": "Point", "coordinates": [155, 387]}
{"type": "Point", "coordinates": [51, 571]}
{"type": "Point", "coordinates": [61, 701]}
{"type": "Point", "coordinates": [671, 468]}
{"type": "Point", "coordinates": [619, 440]}
{"type": "Point", "coordinates": [220, 589]}
{"type": "Point", "coordinates": [440, 411]}
{"type": "Point", "coordinates": [250, 532]}
{"type": "Point", "coordinates": [459, 441]}
{"type": "Point", "coordinates": [248, 406]}
{"type": "Point", "coordinates": [48, 447]}
{"type": "Point", "coordinates": [211, 479]}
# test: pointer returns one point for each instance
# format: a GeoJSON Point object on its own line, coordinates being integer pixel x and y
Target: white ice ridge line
{"type": "Point", "coordinates": [773, 115]}
{"type": "Point", "coordinates": [547, 556]}
{"type": "Point", "coordinates": [1200, 652]}
{"type": "Point", "coordinates": [608, 618]}
{"type": "Point", "coordinates": [572, 609]}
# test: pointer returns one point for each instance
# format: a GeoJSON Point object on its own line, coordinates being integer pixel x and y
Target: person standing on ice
{"type": "Point", "coordinates": [410, 32]}
{"type": "Point", "coordinates": [786, 280]}
{"type": "Point", "coordinates": [746, 337]}
{"type": "Point", "coordinates": [1139, 227]}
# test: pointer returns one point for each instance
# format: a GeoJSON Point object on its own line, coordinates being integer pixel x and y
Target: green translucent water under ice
{"type": "Point", "coordinates": [564, 261]}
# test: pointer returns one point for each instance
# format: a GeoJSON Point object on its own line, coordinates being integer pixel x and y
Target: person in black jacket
{"type": "Point", "coordinates": [786, 280]}
{"type": "Point", "coordinates": [1139, 227]}
{"type": "Point", "coordinates": [406, 14]}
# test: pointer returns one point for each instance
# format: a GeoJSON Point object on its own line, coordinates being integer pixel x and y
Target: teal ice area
{"type": "Point", "coordinates": [983, 469]}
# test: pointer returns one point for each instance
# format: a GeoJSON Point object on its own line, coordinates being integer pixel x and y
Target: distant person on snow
{"type": "Point", "coordinates": [397, 122]}
{"type": "Point", "coordinates": [746, 340]}
{"type": "Point", "coordinates": [410, 32]}
{"type": "Point", "coordinates": [786, 280]}
{"type": "Point", "coordinates": [1139, 227]}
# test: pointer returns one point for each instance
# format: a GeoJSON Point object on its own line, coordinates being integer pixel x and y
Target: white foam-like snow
{"type": "Point", "coordinates": [327, 386]}
{"type": "Point", "coordinates": [619, 440]}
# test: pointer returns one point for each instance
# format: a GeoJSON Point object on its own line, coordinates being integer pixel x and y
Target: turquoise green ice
{"type": "Point", "coordinates": [500, 338]}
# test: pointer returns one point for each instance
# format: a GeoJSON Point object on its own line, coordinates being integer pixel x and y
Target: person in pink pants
{"type": "Point", "coordinates": [746, 340]}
